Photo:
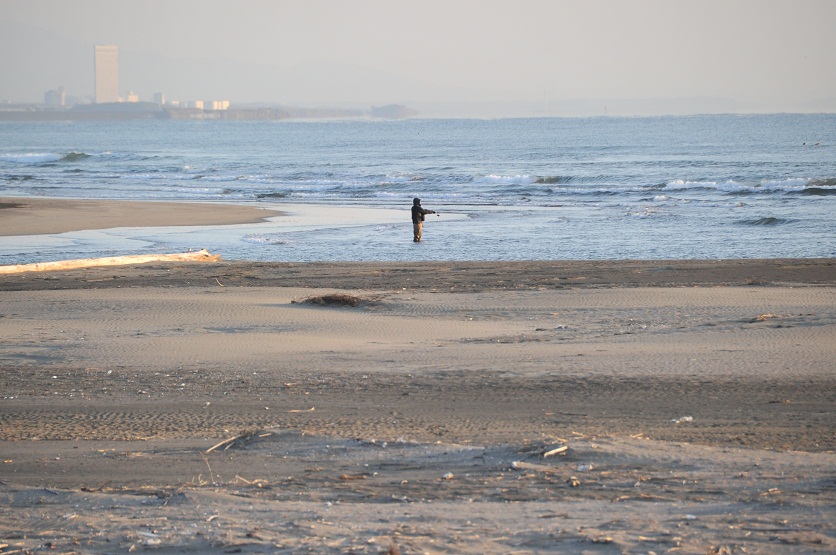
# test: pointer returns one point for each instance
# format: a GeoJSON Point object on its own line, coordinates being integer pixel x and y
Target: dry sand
{"type": "Point", "coordinates": [696, 399]}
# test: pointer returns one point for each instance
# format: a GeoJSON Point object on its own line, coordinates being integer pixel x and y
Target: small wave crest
{"type": "Point", "coordinates": [554, 179]}
{"type": "Point", "coordinates": [733, 187]}
{"type": "Point", "coordinates": [818, 191]}
{"type": "Point", "coordinates": [74, 157]}
{"type": "Point", "coordinates": [729, 187]}
{"type": "Point", "coordinates": [826, 182]}
{"type": "Point", "coordinates": [765, 221]}
{"type": "Point", "coordinates": [685, 185]}
{"type": "Point", "coordinates": [397, 179]}
{"type": "Point", "coordinates": [504, 179]}
{"type": "Point", "coordinates": [264, 239]}
{"type": "Point", "coordinates": [820, 187]}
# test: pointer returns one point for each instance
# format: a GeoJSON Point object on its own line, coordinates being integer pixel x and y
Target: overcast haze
{"type": "Point", "coordinates": [520, 56]}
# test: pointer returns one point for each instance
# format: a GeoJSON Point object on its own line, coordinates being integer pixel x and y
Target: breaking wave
{"type": "Point", "coordinates": [74, 157]}
{"type": "Point", "coordinates": [31, 158]}
{"type": "Point", "coordinates": [766, 186]}
{"type": "Point", "coordinates": [36, 158]}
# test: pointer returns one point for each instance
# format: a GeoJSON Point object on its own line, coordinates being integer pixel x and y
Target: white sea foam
{"type": "Point", "coordinates": [397, 179]}
{"type": "Point", "coordinates": [735, 186]}
{"type": "Point", "coordinates": [31, 157]}
{"type": "Point", "coordinates": [265, 239]}
{"type": "Point", "coordinates": [504, 179]}
{"type": "Point", "coordinates": [791, 184]}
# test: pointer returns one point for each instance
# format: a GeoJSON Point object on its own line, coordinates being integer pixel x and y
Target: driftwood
{"type": "Point", "coordinates": [559, 451]}
{"type": "Point", "coordinates": [238, 440]}
{"type": "Point", "coordinates": [522, 465]}
{"type": "Point", "coordinates": [196, 256]}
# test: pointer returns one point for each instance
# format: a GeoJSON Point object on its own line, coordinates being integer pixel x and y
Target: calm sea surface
{"type": "Point", "coordinates": [552, 188]}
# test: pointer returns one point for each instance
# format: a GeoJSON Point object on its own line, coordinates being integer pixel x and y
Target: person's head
{"type": "Point", "coordinates": [416, 201]}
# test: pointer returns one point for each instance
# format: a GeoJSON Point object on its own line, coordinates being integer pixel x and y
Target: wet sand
{"type": "Point", "coordinates": [695, 398]}
{"type": "Point", "coordinates": [32, 215]}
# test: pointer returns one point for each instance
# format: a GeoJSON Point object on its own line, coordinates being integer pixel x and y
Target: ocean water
{"type": "Point", "coordinates": [725, 186]}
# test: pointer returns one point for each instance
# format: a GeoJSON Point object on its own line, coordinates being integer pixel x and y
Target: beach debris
{"type": "Point", "coordinates": [585, 467]}
{"type": "Point", "coordinates": [448, 476]}
{"type": "Point", "coordinates": [258, 482]}
{"type": "Point", "coordinates": [331, 299]}
{"type": "Point", "coordinates": [573, 481]}
{"type": "Point", "coordinates": [522, 465]}
{"type": "Point", "coordinates": [771, 491]}
{"type": "Point", "coordinates": [682, 419]}
{"type": "Point", "coordinates": [312, 409]}
{"type": "Point", "coordinates": [193, 256]}
{"type": "Point", "coordinates": [764, 317]}
{"type": "Point", "coordinates": [221, 444]}
{"type": "Point", "coordinates": [555, 446]}
{"type": "Point", "coordinates": [371, 442]}
{"type": "Point", "coordinates": [351, 477]}
{"type": "Point", "coordinates": [239, 440]}
{"type": "Point", "coordinates": [149, 538]}
{"type": "Point", "coordinates": [556, 451]}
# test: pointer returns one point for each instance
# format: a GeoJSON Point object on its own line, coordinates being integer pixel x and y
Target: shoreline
{"type": "Point", "coordinates": [439, 277]}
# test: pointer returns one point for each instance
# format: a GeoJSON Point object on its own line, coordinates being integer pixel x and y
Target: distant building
{"type": "Point", "coordinates": [132, 97]}
{"type": "Point", "coordinates": [56, 98]}
{"type": "Point", "coordinates": [217, 105]}
{"type": "Point", "coordinates": [159, 99]}
{"type": "Point", "coordinates": [107, 73]}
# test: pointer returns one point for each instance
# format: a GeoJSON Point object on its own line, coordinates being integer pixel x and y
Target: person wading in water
{"type": "Point", "coordinates": [418, 213]}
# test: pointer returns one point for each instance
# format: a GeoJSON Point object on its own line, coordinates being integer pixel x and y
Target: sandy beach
{"type": "Point", "coordinates": [451, 407]}
{"type": "Point", "coordinates": [32, 216]}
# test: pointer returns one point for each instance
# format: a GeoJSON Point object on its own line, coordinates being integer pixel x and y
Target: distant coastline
{"type": "Point", "coordinates": [149, 111]}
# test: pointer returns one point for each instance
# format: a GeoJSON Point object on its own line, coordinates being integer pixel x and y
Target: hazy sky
{"type": "Point", "coordinates": [764, 54]}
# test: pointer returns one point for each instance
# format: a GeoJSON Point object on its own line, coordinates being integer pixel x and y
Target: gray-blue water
{"type": "Point", "coordinates": [759, 186]}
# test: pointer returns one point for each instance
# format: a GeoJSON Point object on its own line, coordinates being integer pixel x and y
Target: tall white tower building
{"type": "Point", "coordinates": [107, 73]}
